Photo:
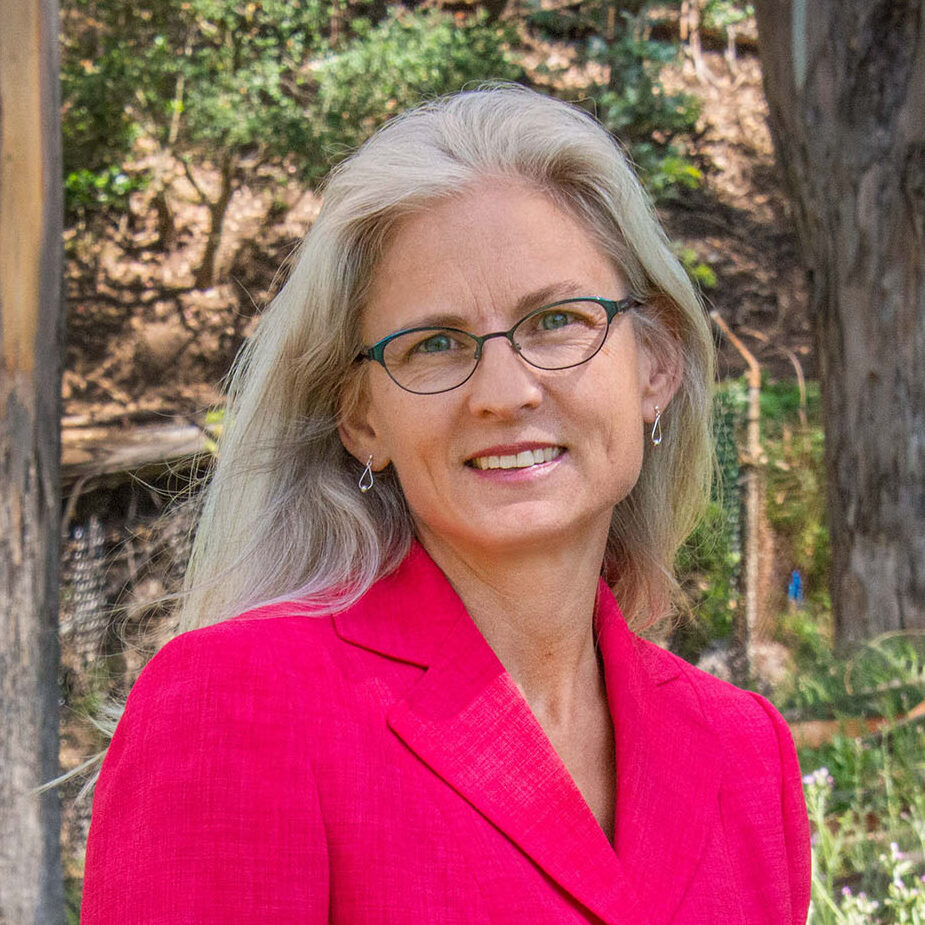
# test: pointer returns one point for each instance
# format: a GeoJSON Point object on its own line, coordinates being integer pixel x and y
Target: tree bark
{"type": "Point", "coordinates": [218, 208]}
{"type": "Point", "coordinates": [846, 91]}
{"type": "Point", "coordinates": [30, 348]}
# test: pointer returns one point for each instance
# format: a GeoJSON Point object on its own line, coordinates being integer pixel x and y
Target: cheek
{"type": "Point", "coordinates": [412, 442]}
{"type": "Point", "coordinates": [623, 434]}
{"type": "Point", "coordinates": [618, 406]}
{"type": "Point", "coordinates": [625, 453]}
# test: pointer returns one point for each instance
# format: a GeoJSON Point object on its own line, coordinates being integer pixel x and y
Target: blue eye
{"type": "Point", "coordinates": [436, 343]}
{"type": "Point", "coordinates": [550, 321]}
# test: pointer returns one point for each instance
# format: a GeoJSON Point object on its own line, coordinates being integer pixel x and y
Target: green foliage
{"type": "Point", "coordinates": [864, 794]}
{"type": "Point", "coordinates": [702, 274]}
{"type": "Point", "coordinates": [721, 14]}
{"type": "Point", "coordinates": [795, 484]}
{"type": "Point", "coordinates": [109, 188]}
{"type": "Point", "coordinates": [189, 76]}
{"type": "Point", "coordinates": [73, 890]}
{"type": "Point", "coordinates": [632, 102]}
{"type": "Point", "coordinates": [252, 79]}
{"type": "Point", "coordinates": [634, 106]}
{"type": "Point", "coordinates": [869, 833]}
{"type": "Point", "coordinates": [102, 75]}
{"type": "Point", "coordinates": [665, 169]}
{"type": "Point", "coordinates": [96, 126]}
{"type": "Point", "coordinates": [708, 564]}
{"type": "Point", "coordinates": [818, 684]}
{"type": "Point", "coordinates": [246, 82]}
{"type": "Point", "coordinates": [406, 58]}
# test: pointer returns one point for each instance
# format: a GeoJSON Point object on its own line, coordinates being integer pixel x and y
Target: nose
{"type": "Point", "coordinates": [503, 383]}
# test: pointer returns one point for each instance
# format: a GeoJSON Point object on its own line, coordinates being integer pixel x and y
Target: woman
{"type": "Point", "coordinates": [476, 417]}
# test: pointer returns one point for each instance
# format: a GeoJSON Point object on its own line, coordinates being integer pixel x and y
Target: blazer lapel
{"type": "Point", "coordinates": [469, 723]}
{"type": "Point", "coordinates": [466, 719]}
{"type": "Point", "coordinates": [668, 769]}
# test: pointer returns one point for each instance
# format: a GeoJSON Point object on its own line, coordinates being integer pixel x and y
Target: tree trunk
{"type": "Point", "coordinates": [30, 347]}
{"type": "Point", "coordinates": [846, 90]}
{"type": "Point", "coordinates": [205, 275]}
{"type": "Point", "coordinates": [690, 34]}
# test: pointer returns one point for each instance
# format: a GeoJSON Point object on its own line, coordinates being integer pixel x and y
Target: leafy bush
{"type": "Point", "coordinates": [222, 73]}
{"type": "Point", "coordinates": [634, 104]}
{"type": "Point", "coordinates": [109, 188]}
{"type": "Point", "coordinates": [631, 102]}
{"type": "Point", "coordinates": [865, 795]}
{"type": "Point", "coordinates": [861, 874]}
{"type": "Point", "coordinates": [665, 169]}
{"type": "Point", "coordinates": [702, 274]}
{"type": "Point", "coordinates": [404, 59]}
{"type": "Point", "coordinates": [250, 80]}
{"type": "Point", "coordinates": [721, 14]}
{"type": "Point", "coordinates": [635, 107]}
{"type": "Point", "coordinates": [100, 74]}
{"type": "Point", "coordinates": [707, 564]}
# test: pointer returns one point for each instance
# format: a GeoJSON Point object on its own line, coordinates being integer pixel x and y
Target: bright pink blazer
{"type": "Point", "coordinates": [380, 766]}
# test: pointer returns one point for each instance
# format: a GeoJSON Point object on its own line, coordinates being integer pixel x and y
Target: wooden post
{"type": "Point", "coordinates": [31, 887]}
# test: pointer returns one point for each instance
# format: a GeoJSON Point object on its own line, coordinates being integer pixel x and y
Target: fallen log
{"type": "Point", "coordinates": [813, 733]}
{"type": "Point", "coordinates": [112, 453]}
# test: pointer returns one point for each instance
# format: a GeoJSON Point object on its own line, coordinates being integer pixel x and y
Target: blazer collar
{"type": "Point", "coordinates": [466, 719]}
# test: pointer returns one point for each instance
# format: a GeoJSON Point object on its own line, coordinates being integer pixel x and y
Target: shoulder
{"type": "Point", "coordinates": [761, 790]}
{"type": "Point", "coordinates": [273, 638]}
{"type": "Point", "coordinates": [218, 693]}
{"type": "Point", "coordinates": [212, 760]}
{"type": "Point", "coordinates": [747, 723]}
{"type": "Point", "coordinates": [269, 628]}
{"type": "Point", "coordinates": [268, 662]}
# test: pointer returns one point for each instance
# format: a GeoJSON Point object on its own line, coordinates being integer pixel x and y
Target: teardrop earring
{"type": "Point", "coordinates": [367, 479]}
{"type": "Point", "coordinates": [656, 435]}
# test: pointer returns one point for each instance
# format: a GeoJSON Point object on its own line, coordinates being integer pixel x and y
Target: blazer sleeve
{"type": "Point", "coordinates": [795, 817]}
{"type": "Point", "coordinates": [206, 810]}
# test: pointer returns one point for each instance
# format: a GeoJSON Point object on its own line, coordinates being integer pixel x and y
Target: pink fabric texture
{"type": "Point", "coordinates": [380, 766]}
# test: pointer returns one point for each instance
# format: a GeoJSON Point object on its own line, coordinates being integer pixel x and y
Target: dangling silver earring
{"type": "Point", "coordinates": [366, 479]}
{"type": "Point", "coordinates": [656, 435]}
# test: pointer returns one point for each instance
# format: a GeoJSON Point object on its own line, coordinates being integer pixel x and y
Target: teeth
{"type": "Point", "coordinates": [521, 461]}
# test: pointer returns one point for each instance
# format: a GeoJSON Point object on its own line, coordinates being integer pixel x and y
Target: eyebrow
{"type": "Point", "coordinates": [525, 304]}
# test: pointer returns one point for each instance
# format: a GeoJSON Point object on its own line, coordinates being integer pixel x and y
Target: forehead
{"type": "Point", "coordinates": [478, 255]}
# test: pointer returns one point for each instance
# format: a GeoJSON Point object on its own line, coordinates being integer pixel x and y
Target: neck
{"type": "Point", "coordinates": [535, 608]}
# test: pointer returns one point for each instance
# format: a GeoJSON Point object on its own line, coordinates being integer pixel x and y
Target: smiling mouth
{"type": "Point", "coordinates": [522, 460]}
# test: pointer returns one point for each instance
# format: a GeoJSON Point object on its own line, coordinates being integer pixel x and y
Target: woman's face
{"type": "Point", "coordinates": [475, 259]}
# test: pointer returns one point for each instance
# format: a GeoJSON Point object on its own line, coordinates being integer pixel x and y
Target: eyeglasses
{"type": "Point", "coordinates": [429, 360]}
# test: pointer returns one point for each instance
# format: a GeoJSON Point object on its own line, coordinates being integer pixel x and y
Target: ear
{"type": "Point", "coordinates": [660, 376]}
{"type": "Point", "coordinates": [356, 425]}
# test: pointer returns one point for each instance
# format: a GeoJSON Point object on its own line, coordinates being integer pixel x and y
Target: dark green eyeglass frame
{"type": "Point", "coordinates": [376, 352]}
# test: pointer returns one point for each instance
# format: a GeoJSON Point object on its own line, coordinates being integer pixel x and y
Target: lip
{"type": "Point", "coordinates": [512, 449]}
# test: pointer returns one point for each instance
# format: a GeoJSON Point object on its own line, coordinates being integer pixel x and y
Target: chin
{"type": "Point", "coordinates": [524, 534]}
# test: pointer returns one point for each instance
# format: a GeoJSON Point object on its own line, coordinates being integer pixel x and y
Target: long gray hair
{"type": "Point", "coordinates": [282, 516]}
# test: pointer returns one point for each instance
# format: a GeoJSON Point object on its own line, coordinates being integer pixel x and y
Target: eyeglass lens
{"type": "Point", "coordinates": [555, 337]}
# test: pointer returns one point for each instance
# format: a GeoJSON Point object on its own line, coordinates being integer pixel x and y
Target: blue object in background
{"type": "Point", "coordinates": [795, 588]}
